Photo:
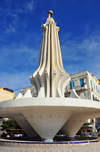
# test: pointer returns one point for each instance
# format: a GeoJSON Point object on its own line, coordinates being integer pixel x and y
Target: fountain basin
{"type": "Point", "coordinates": [46, 116]}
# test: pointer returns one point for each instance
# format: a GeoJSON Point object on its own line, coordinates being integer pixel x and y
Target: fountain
{"type": "Point", "coordinates": [50, 111]}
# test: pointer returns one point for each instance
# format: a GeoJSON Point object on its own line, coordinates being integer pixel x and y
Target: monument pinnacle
{"type": "Point", "coordinates": [50, 13]}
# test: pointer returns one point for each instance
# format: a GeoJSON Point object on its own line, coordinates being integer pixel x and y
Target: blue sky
{"type": "Point", "coordinates": [20, 37]}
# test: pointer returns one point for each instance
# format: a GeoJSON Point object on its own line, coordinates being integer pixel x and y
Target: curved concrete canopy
{"type": "Point", "coordinates": [69, 103]}
{"type": "Point", "coordinates": [48, 115]}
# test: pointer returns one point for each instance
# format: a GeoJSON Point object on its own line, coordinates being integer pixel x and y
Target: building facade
{"type": "Point", "coordinates": [84, 83]}
{"type": "Point", "coordinates": [6, 94]}
{"type": "Point", "coordinates": [87, 86]}
{"type": "Point", "coordinates": [28, 91]}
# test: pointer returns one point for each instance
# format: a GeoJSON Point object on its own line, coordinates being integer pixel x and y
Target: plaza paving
{"type": "Point", "coordinates": [84, 147]}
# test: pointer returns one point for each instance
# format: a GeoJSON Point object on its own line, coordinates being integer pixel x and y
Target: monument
{"type": "Point", "coordinates": [50, 78]}
{"type": "Point", "coordinates": [50, 111]}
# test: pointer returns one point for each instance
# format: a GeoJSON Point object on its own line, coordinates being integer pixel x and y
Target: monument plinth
{"type": "Point", "coordinates": [50, 111]}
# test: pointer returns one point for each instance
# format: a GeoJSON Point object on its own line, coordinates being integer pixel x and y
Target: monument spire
{"type": "Point", "coordinates": [50, 78]}
{"type": "Point", "coordinates": [50, 13]}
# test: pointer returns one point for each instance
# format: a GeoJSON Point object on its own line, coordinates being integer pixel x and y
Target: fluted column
{"type": "Point", "coordinates": [50, 78]}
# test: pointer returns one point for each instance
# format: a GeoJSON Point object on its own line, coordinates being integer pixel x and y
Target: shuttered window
{"type": "Point", "coordinates": [91, 82]}
{"type": "Point", "coordinates": [82, 82]}
{"type": "Point", "coordinates": [71, 84]}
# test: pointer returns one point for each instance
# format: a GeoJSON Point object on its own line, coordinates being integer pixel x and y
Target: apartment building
{"type": "Point", "coordinates": [87, 86]}
{"type": "Point", "coordinates": [6, 94]}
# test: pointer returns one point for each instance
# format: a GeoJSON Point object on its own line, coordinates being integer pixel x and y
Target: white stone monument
{"type": "Point", "coordinates": [50, 111]}
{"type": "Point", "coordinates": [50, 78]}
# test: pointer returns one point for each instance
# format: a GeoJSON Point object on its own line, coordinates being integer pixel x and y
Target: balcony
{"type": "Point", "coordinates": [77, 88]}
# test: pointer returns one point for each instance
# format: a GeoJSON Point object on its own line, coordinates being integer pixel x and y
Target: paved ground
{"type": "Point", "coordinates": [25, 146]}
{"type": "Point", "coordinates": [93, 147]}
{"type": "Point", "coordinates": [13, 149]}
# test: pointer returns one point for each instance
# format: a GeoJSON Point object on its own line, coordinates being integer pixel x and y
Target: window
{"type": "Point", "coordinates": [71, 84]}
{"type": "Point", "coordinates": [91, 82]}
{"type": "Point", "coordinates": [94, 86]}
{"type": "Point", "coordinates": [93, 97]}
{"type": "Point", "coordinates": [84, 93]}
{"type": "Point", "coordinates": [82, 82]}
{"type": "Point", "coordinates": [97, 89]}
{"type": "Point", "coordinates": [23, 93]}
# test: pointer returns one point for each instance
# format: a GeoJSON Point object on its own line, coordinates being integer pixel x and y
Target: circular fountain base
{"type": "Point", "coordinates": [46, 116]}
